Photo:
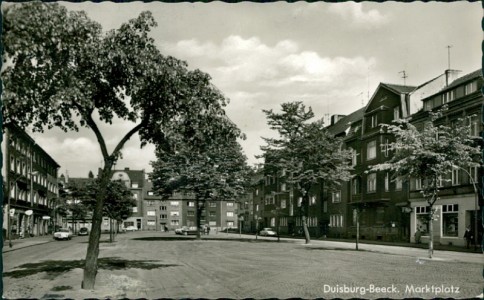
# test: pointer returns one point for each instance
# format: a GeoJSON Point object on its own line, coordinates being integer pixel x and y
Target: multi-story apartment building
{"type": "Point", "coordinates": [458, 206]}
{"type": "Point", "coordinates": [30, 185]}
{"type": "Point", "coordinates": [384, 207]}
{"type": "Point", "coordinates": [135, 182]}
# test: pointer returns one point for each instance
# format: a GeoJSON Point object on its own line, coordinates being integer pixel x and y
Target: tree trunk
{"type": "Point", "coordinates": [90, 269]}
{"type": "Point", "coordinates": [110, 230]}
{"type": "Point", "coordinates": [197, 217]}
{"type": "Point", "coordinates": [305, 206]}
{"type": "Point", "coordinates": [306, 231]}
{"type": "Point", "coordinates": [431, 231]}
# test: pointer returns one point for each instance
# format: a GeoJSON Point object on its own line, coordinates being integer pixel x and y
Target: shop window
{"type": "Point", "coordinates": [422, 218]}
{"type": "Point", "coordinates": [450, 220]}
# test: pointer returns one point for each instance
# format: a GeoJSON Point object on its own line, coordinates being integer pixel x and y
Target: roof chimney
{"type": "Point", "coordinates": [126, 169]}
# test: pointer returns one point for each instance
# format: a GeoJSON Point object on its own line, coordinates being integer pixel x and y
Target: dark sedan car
{"type": "Point", "coordinates": [83, 231]}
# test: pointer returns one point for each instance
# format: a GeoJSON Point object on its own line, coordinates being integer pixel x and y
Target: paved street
{"type": "Point", "coordinates": [154, 265]}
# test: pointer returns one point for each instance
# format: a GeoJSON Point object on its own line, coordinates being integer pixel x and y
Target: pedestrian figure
{"type": "Point", "coordinates": [468, 236]}
{"type": "Point", "coordinates": [418, 235]}
{"type": "Point", "coordinates": [208, 230]}
{"type": "Point", "coordinates": [166, 229]}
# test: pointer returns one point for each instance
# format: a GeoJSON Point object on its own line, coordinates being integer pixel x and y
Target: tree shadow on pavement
{"type": "Point", "coordinates": [336, 249]}
{"type": "Point", "coordinates": [54, 268]}
{"type": "Point", "coordinates": [185, 238]}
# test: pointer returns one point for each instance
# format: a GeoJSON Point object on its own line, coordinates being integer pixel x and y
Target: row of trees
{"type": "Point", "coordinates": [305, 153]}
{"type": "Point", "coordinates": [71, 74]}
{"type": "Point", "coordinates": [80, 201]}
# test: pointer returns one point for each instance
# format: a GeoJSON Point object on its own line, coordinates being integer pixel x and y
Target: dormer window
{"type": "Point", "coordinates": [447, 97]}
{"type": "Point", "coordinates": [470, 88]}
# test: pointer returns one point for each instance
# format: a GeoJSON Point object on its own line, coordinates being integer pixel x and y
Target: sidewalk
{"type": "Point", "coordinates": [26, 242]}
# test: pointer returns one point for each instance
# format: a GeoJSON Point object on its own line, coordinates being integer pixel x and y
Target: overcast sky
{"type": "Point", "coordinates": [330, 56]}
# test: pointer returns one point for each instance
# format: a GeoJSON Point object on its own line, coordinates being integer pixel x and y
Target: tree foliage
{"type": "Point", "coordinates": [305, 151]}
{"type": "Point", "coordinates": [210, 166]}
{"type": "Point", "coordinates": [63, 71]}
{"type": "Point", "coordinates": [119, 199]}
{"type": "Point", "coordinates": [429, 154]}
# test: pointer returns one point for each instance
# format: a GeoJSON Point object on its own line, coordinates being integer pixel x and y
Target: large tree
{"type": "Point", "coordinates": [210, 166]}
{"type": "Point", "coordinates": [429, 154]}
{"type": "Point", "coordinates": [306, 152]}
{"type": "Point", "coordinates": [63, 71]}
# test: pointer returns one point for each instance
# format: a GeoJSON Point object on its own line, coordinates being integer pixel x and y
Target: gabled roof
{"type": "Point", "coordinates": [344, 123]}
{"type": "Point", "coordinates": [399, 89]}
{"type": "Point", "coordinates": [134, 175]}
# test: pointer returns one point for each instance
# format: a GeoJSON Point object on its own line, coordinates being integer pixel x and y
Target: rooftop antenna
{"type": "Point", "coordinates": [368, 86]}
{"type": "Point", "coordinates": [404, 76]}
{"type": "Point", "coordinates": [448, 56]}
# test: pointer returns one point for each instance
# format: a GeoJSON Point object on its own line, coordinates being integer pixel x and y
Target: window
{"type": "Point", "coordinates": [387, 182]}
{"type": "Point", "coordinates": [151, 223]}
{"type": "Point", "coordinates": [151, 213]}
{"type": "Point", "coordinates": [190, 213]}
{"type": "Point", "coordinates": [230, 214]}
{"type": "Point", "coordinates": [151, 202]}
{"type": "Point", "coordinates": [371, 183]}
{"type": "Point", "coordinates": [257, 192]}
{"type": "Point", "coordinates": [174, 203]}
{"type": "Point", "coordinates": [354, 157]}
{"type": "Point", "coordinates": [371, 150]}
{"type": "Point", "coordinates": [355, 216]}
{"type": "Point", "coordinates": [470, 88]}
{"type": "Point", "coordinates": [386, 148]}
{"type": "Point", "coordinates": [422, 215]}
{"type": "Point", "coordinates": [273, 222]}
{"type": "Point", "coordinates": [135, 209]}
{"type": "Point", "coordinates": [428, 105]}
{"type": "Point", "coordinates": [325, 206]}
{"type": "Point", "coordinates": [283, 187]}
{"type": "Point", "coordinates": [374, 121]}
{"type": "Point", "coordinates": [336, 220]}
{"type": "Point", "coordinates": [283, 203]}
{"type": "Point", "coordinates": [150, 193]}
{"type": "Point", "coordinates": [355, 186]}
{"type": "Point", "coordinates": [447, 97]}
{"type": "Point", "coordinates": [230, 204]}
{"type": "Point", "coordinates": [212, 223]}
{"type": "Point", "coordinates": [418, 183]}
{"type": "Point", "coordinates": [398, 184]}
{"type": "Point", "coordinates": [396, 113]}
{"type": "Point", "coordinates": [212, 204]}
{"type": "Point", "coordinates": [191, 204]}
{"type": "Point", "coordinates": [474, 126]}
{"type": "Point", "coordinates": [230, 224]}
{"type": "Point", "coordinates": [174, 213]}
{"type": "Point", "coordinates": [455, 176]}
{"type": "Point", "coordinates": [134, 185]}
{"type": "Point", "coordinates": [299, 201]}
{"type": "Point", "coordinates": [175, 222]}
{"type": "Point", "coordinates": [336, 197]}
{"type": "Point", "coordinates": [313, 200]}
{"type": "Point", "coordinates": [257, 207]}
{"type": "Point", "coordinates": [212, 214]}
{"type": "Point", "coordinates": [162, 207]}
{"type": "Point", "coordinates": [163, 216]}
{"type": "Point", "coordinates": [450, 219]}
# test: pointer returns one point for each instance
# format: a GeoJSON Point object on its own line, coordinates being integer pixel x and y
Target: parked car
{"type": "Point", "coordinates": [83, 231]}
{"type": "Point", "coordinates": [268, 232]}
{"type": "Point", "coordinates": [185, 230]}
{"type": "Point", "coordinates": [63, 234]}
{"type": "Point", "coordinates": [131, 228]}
